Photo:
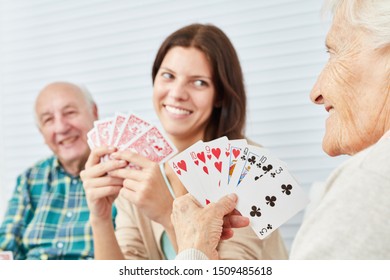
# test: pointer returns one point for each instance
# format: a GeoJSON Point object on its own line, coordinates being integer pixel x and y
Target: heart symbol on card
{"type": "Point", "coordinates": [227, 154]}
{"type": "Point", "coordinates": [178, 172]}
{"type": "Point", "coordinates": [218, 165]}
{"type": "Point", "coordinates": [182, 165]}
{"type": "Point", "coordinates": [196, 162]}
{"type": "Point", "coordinates": [207, 201]}
{"type": "Point", "coordinates": [209, 156]}
{"type": "Point", "coordinates": [216, 152]}
{"type": "Point", "coordinates": [236, 153]}
{"type": "Point", "coordinates": [201, 157]}
{"type": "Point", "coordinates": [205, 169]}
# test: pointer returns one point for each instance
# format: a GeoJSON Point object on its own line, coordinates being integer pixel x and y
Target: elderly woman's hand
{"type": "Point", "coordinates": [203, 228]}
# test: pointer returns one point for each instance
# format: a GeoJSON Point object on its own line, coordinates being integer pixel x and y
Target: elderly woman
{"type": "Point", "coordinates": [352, 219]}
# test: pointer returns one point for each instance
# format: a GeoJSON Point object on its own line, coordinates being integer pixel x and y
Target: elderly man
{"type": "Point", "coordinates": [47, 216]}
{"type": "Point", "coordinates": [352, 219]}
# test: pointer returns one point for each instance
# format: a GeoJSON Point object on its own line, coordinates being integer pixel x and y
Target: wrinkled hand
{"type": "Point", "coordinates": [203, 228]}
{"type": "Point", "coordinates": [100, 188]}
{"type": "Point", "coordinates": [145, 188]}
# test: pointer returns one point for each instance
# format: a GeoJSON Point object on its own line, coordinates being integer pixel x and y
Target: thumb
{"type": "Point", "coordinates": [226, 204]}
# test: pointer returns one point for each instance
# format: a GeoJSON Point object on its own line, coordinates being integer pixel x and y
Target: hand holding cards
{"type": "Point", "coordinates": [130, 132]}
{"type": "Point", "coordinates": [267, 192]}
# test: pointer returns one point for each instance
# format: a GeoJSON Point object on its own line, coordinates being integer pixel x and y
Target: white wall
{"type": "Point", "coordinates": [110, 46]}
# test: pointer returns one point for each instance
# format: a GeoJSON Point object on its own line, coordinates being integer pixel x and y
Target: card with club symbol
{"type": "Point", "coordinates": [131, 132]}
{"type": "Point", "coordinates": [268, 194]}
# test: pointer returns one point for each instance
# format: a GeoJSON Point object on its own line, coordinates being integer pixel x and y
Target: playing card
{"type": "Point", "coordinates": [153, 145]}
{"type": "Point", "coordinates": [185, 165]}
{"type": "Point", "coordinates": [92, 139]}
{"type": "Point", "coordinates": [267, 192]}
{"type": "Point", "coordinates": [261, 163]}
{"type": "Point", "coordinates": [270, 202]}
{"type": "Point", "coordinates": [6, 255]}
{"type": "Point", "coordinates": [132, 128]}
{"type": "Point", "coordinates": [253, 157]}
{"type": "Point", "coordinates": [236, 149]}
{"type": "Point", "coordinates": [216, 161]}
{"type": "Point", "coordinates": [103, 129]}
{"type": "Point", "coordinates": [116, 127]}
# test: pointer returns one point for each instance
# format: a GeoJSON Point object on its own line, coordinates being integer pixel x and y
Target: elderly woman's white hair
{"type": "Point", "coordinates": [373, 15]}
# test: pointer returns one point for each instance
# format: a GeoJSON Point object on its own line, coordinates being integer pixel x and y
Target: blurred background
{"type": "Point", "coordinates": [109, 46]}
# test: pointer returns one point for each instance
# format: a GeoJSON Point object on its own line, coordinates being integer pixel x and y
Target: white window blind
{"type": "Point", "coordinates": [109, 45]}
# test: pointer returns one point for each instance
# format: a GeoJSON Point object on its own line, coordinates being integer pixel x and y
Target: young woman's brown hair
{"type": "Point", "coordinates": [229, 114]}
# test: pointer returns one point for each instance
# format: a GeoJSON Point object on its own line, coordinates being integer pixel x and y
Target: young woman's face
{"type": "Point", "coordinates": [184, 93]}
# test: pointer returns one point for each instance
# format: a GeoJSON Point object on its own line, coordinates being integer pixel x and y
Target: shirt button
{"type": "Point", "coordinates": [74, 181]}
{"type": "Point", "coordinates": [69, 214]}
{"type": "Point", "coordinates": [60, 245]}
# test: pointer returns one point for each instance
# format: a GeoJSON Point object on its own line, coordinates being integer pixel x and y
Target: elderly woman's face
{"type": "Point", "coordinates": [354, 88]}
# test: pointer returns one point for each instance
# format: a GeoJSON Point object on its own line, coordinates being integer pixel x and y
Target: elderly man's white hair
{"type": "Point", "coordinates": [373, 15]}
{"type": "Point", "coordinates": [83, 90]}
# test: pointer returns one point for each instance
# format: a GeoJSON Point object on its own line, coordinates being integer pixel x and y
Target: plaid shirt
{"type": "Point", "coordinates": [47, 216]}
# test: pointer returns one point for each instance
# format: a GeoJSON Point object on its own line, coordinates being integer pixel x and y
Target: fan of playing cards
{"type": "Point", "coordinates": [267, 193]}
{"type": "Point", "coordinates": [130, 132]}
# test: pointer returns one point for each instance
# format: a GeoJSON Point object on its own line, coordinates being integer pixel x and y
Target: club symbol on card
{"type": "Point", "coordinates": [258, 165]}
{"type": "Point", "coordinates": [252, 160]}
{"type": "Point", "coordinates": [267, 168]}
{"type": "Point", "coordinates": [286, 189]}
{"type": "Point", "coordinates": [269, 226]}
{"type": "Point", "coordinates": [273, 175]}
{"type": "Point", "coordinates": [243, 157]}
{"type": "Point", "coordinates": [270, 200]}
{"type": "Point", "coordinates": [258, 177]}
{"type": "Point", "coordinates": [255, 211]}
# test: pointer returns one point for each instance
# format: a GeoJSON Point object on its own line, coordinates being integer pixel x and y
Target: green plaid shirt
{"type": "Point", "coordinates": [47, 216]}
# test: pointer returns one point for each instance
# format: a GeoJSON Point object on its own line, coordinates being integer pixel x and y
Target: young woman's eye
{"type": "Point", "coordinates": [200, 83]}
{"type": "Point", "coordinates": [167, 75]}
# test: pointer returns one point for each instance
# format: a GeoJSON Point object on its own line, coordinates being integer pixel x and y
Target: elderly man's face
{"type": "Point", "coordinates": [354, 88]}
{"type": "Point", "coordinates": [64, 118]}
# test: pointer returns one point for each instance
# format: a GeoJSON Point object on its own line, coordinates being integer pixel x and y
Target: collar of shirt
{"type": "Point", "coordinates": [57, 167]}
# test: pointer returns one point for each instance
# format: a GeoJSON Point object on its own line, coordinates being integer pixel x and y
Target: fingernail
{"type": "Point", "coordinates": [111, 148]}
{"type": "Point", "coordinates": [232, 196]}
{"type": "Point", "coordinates": [123, 162]}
